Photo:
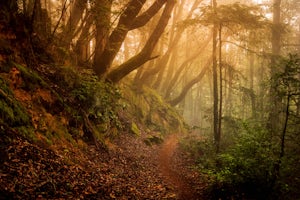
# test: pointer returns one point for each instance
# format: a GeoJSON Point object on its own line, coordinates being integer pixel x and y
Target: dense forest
{"type": "Point", "coordinates": [150, 99]}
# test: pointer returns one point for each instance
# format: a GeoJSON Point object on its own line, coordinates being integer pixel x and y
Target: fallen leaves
{"type": "Point", "coordinates": [130, 171]}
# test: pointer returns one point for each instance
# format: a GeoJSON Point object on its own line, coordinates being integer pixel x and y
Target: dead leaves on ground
{"type": "Point", "coordinates": [30, 171]}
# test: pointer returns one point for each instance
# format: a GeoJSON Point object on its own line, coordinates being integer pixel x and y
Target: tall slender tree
{"type": "Point", "coordinates": [276, 47]}
{"type": "Point", "coordinates": [215, 80]}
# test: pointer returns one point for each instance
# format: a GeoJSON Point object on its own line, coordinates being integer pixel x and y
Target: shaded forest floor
{"type": "Point", "coordinates": [130, 170]}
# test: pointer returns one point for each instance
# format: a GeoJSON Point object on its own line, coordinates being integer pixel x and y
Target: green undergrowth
{"type": "Point", "coordinates": [91, 107]}
{"type": "Point", "coordinates": [249, 167]}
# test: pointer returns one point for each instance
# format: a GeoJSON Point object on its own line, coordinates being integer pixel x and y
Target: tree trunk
{"type": "Point", "coordinates": [276, 46]}
{"type": "Point", "coordinates": [102, 20]}
{"type": "Point", "coordinates": [145, 55]}
{"type": "Point", "coordinates": [144, 18]}
{"type": "Point", "coordinates": [103, 62]}
{"type": "Point", "coordinates": [229, 86]}
{"type": "Point", "coordinates": [221, 87]}
{"type": "Point", "coordinates": [105, 53]}
{"type": "Point", "coordinates": [277, 165]}
{"type": "Point", "coordinates": [215, 83]}
{"type": "Point", "coordinates": [76, 13]}
{"type": "Point", "coordinates": [82, 42]}
{"type": "Point", "coordinates": [169, 71]}
{"type": "Point", "coordinates": [253, 99]}
{"type": "Point", "coordinates": [9, 11]}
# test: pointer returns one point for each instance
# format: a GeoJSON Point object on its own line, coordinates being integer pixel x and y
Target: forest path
{"type": "Point", "coordinates": [175, 172]}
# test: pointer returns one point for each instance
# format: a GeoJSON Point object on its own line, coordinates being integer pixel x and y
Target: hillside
{"type": "Point", "coordinates": [65, 134]}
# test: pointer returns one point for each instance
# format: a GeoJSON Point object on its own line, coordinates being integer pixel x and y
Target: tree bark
{"type": "Point", "coordinates": [163, 60]}
{"type": "Point", "coordinates": [9, 11]}
{"type": "Point", "coordinates": [229, 86]}
{"type": "Point", "coordinates": [253, 101]}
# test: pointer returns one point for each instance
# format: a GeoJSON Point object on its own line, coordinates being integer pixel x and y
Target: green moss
{"type": "Point", "coordinates": [13, 114]}
{"type": "Point", "coordinates": [31, 79]}
{"type": "Point", "coordinates": [11, 111]}
{"type": "Point", "coordinates": [48, 142]}
{"type": "Point", "coordinates": [27, 132]}
{"type": "Point", "coordinates": [56, 131]}
{"type": "Point", "coordinates": [134, 129]}
{"type": "Point", "coordinates": [99, 137]}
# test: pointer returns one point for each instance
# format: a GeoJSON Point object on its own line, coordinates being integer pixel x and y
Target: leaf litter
{"type": "Point", "coordinates": [132, 170]}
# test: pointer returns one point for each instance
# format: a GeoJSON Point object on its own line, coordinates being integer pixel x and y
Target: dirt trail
{"type": "Point", "coordinates": [171, 172]}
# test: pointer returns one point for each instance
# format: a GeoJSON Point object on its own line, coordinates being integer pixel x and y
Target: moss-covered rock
{"type": "Point", "coordinates": [154, 138]}
{"type": "Point", "coordinates": [147, 107]}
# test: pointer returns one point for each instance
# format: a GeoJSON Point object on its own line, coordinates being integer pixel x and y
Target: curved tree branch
{"type": "Point", "coordinates": [103, 62]}
{"type": "Point", "coordinates": [142, 19]}
{"type": "Point", "coordinates": [190, 84]}
{"type": "Point", "coordinates": [135, 62]}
